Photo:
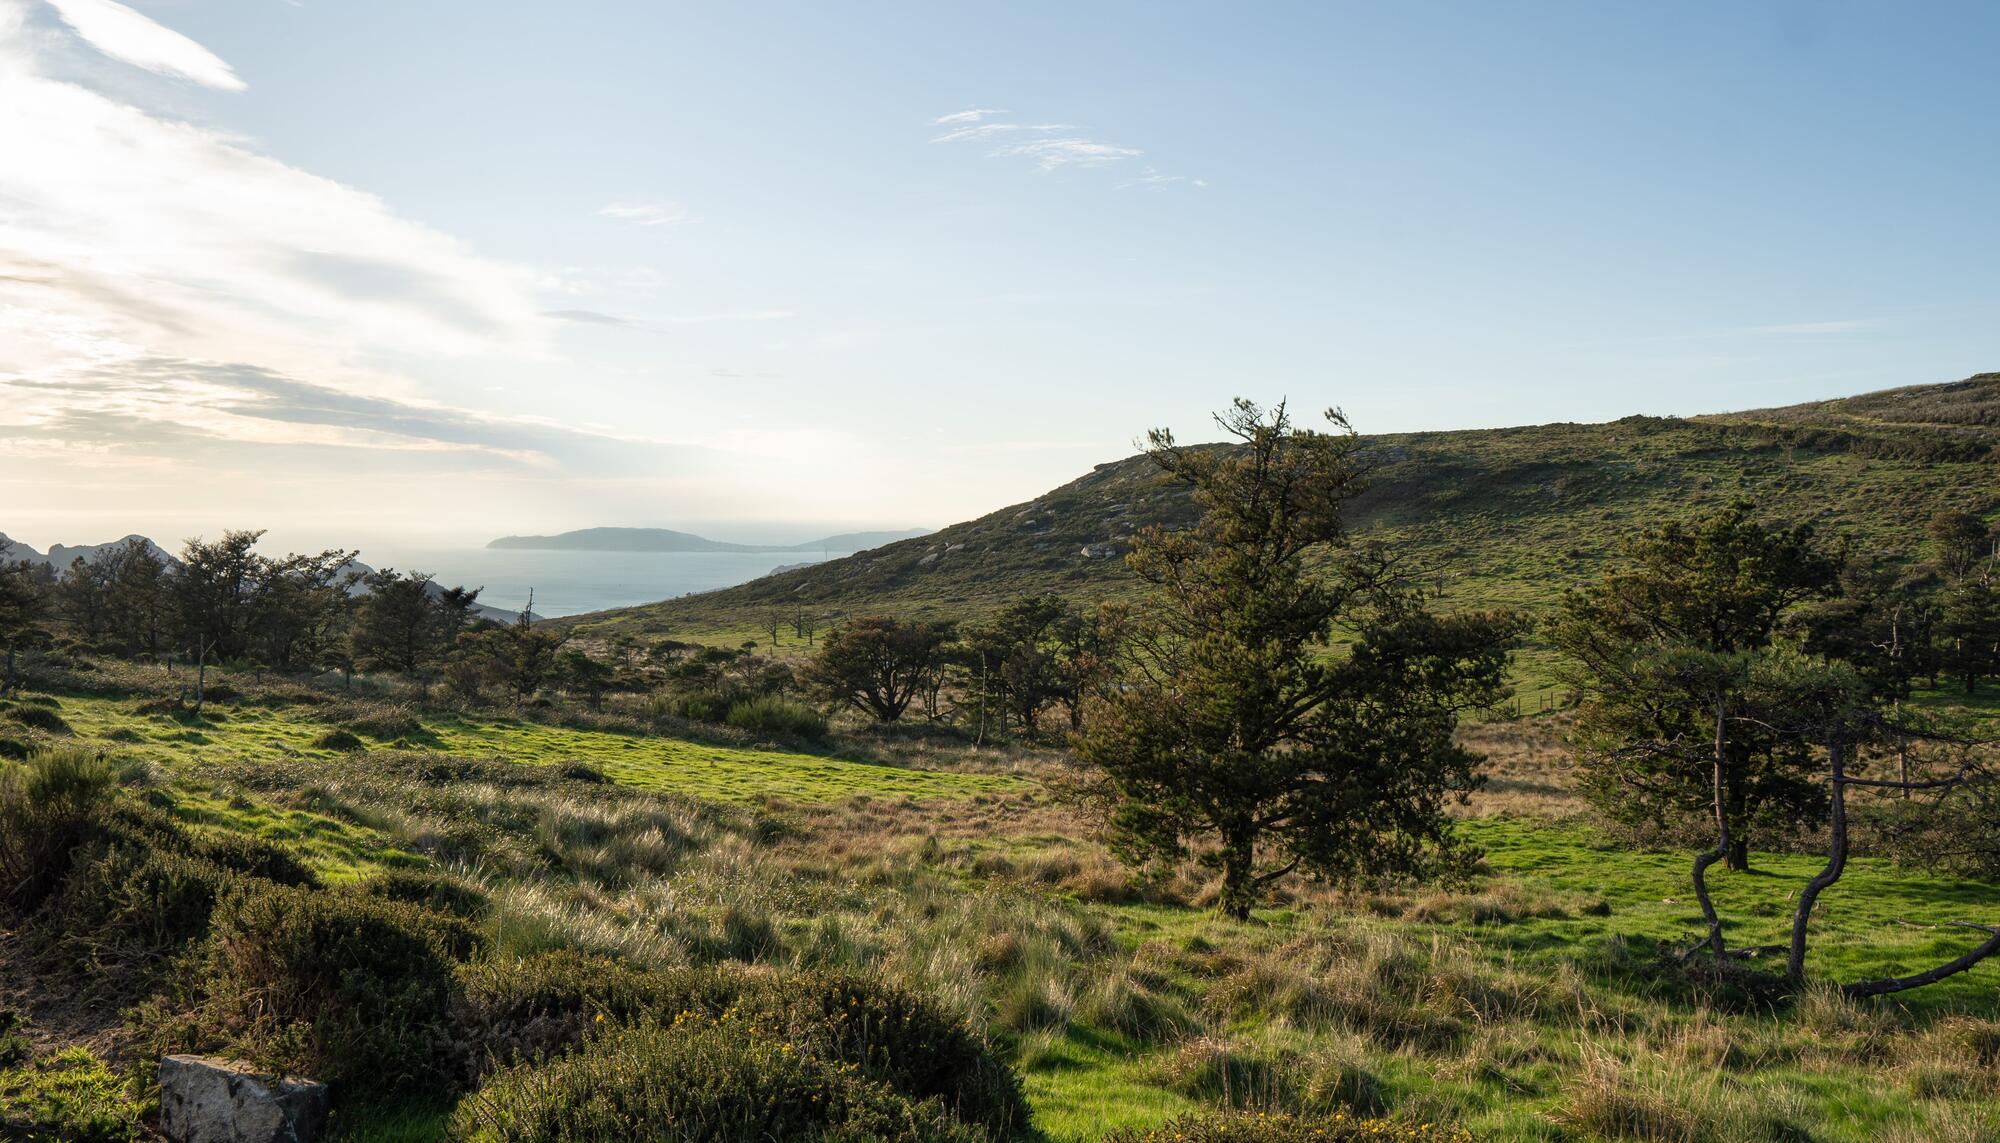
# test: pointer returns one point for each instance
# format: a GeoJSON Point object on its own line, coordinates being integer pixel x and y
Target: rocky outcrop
{"type": "Point", "coordinates": [206, 1100]}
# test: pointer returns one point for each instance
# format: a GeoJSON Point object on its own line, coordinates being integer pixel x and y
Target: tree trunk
{"type": "Point", "coordinates": [1739, 855]}
{"type": "Point", "coordinates": [1902, 751]}
{"type": "Point", "coordinates": [1239, 851]}
{"type": "Point", "coordinates": [1918, 980]}
{"type": "Point", "coordinates": [1723, 842]}
{"type": "Point", "coordinates": [1836, 864]}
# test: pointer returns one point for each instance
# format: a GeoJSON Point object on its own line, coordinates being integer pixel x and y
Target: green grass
{"type": "Point", "coordinates": [713, 772]}
{"type": "Point", "coordinates": [1534, 1013]}
{"type": "Point", "coordinates": [1859, 929]}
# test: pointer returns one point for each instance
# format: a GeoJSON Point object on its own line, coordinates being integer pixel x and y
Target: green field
{"type": "Point", "coordinates": [1528, 1005]}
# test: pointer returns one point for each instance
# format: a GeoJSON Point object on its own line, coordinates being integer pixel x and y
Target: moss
{"type": "Point", "coordinates": [69, 1096]}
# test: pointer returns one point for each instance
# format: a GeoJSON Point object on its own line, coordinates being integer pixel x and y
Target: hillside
{"type": "Point", "coordinates": [667, 540]}
{"type": "Point", "coordinates": [1502, 516]}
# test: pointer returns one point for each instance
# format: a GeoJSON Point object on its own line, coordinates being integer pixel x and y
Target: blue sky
{"type": "Point", "coordinates": [766, 267]}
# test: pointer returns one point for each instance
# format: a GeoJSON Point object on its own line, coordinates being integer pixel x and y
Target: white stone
{"type": "Point", "coordinates": [204, 1100]}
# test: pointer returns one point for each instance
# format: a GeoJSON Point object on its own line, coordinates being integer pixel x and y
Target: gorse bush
{"type": "Point", "coordinates": [537, 1007]}
{"type": "Point", "coordinates": [47, 805]}
{"type": "Point", "coordinates": [438, 892]}
{"type": "Point", "coordinates": [699, 1080]}
{"type": "Point", "coordinates": [126, 911]}
{"type": "Point", "coordinates": [337, 986]}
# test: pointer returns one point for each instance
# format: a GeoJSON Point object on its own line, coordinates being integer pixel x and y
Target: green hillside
{"type": "Point", "coordinates": [1499, 516]}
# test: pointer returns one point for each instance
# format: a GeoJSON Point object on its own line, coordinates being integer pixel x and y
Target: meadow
{"type": "Point", "coordinates": [1539, 1001]}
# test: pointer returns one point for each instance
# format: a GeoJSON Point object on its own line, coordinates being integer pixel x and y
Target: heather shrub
{"type": "Point", "coordinates": [697, 1079]}
{"type": "Point", "coordinates": [537, 1007]}
{"type": "Point", "coordinates": [342, 987]}
{"type": "Point", "coordinates": [438, 892]}
{"type": "Point", "coordinates": [47, 805]}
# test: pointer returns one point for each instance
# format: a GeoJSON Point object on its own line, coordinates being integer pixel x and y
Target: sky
{"type": "Point", "coordinates": [437, 270]}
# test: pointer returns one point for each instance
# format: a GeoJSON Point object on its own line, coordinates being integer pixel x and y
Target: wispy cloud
{"type": "Point", "coordinates": [1050, 146]}
{"type": "Point", "coordinates": [595, 317]}
{"type": "Point", "coordinates": [123, 34]}
{"type": "Point", "coordinates": [1814, 327]}
{"type": "Point", "coordinates": [647, 213]}
{"type": "Point", "coordinates": [1154, 180]}
{"type": "Point", "coordinates": [584, 317]}
{"type": "Point", "coordinates": [1071, 151]}
{"type": "Point", "coordinates": [135, 407]}
{"type": "Point", "coordinates": [972, 115]}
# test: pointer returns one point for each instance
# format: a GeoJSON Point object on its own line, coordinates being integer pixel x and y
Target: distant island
{"type": "Point", "coordinates": [667, 540]}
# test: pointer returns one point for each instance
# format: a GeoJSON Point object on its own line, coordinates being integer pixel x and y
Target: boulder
{"type": "Point", "coordinates": [204, 1100]}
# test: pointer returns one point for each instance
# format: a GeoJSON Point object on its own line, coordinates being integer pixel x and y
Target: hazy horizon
{"type": "Point", "coordinates": [373, 272]}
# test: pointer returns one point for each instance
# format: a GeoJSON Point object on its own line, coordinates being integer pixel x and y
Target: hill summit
{"type": "Point", "coordinates": [1497, 516]}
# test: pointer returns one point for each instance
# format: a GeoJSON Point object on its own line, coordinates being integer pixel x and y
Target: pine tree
{"type": "Point", "coordinates": [1246, 738]}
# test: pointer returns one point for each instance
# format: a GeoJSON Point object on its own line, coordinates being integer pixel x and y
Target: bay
{"type": "Point", "coordinates": [570, 583]}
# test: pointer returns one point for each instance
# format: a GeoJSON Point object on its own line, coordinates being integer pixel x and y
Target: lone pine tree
{"type": "Point", "coordinates": [1294, 700]}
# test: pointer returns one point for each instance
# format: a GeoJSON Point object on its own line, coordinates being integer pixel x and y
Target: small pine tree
{"type": "Point", "coordinates": [1244, 737]}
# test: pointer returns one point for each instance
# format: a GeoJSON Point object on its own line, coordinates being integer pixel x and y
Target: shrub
{"type": "Point", "coordinates": [386, 722]}
{"type": "Point", "coordinates": [69, 1097]}
{"type": "Point", "coordinates": [151, 828]}
{"type": "Point", "coordinates": [1339, 1127]}
{"type": "Point", "coordinates": [769, 714]}
{"type": "Point", "coordinates": [127, 910]}
{"type": "Point", "coordinates": [894, 1037]}
{"type": "Point", "coordinates": [341, 987]}
{"type": "Point", "coordinates": [536, 1007]}
{"type": "Point", "coordinates": [340, 740]}
{"type": "Point", "coordinates": [46, 808]}
{"type": "Point", "coordinates": [13, 1038]}
{"type": "Point", "coordinates": [438, 892]}
{"type": "Point", "coordinates": [698, 1079]}
{"type": "Point", "coordinates": [39, 718]}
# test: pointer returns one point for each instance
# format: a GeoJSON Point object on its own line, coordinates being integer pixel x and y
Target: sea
{"type": "Point", "coordinates": [569, 583]}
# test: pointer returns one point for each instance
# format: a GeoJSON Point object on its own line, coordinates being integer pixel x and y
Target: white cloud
{"type": "Point", "coordinates": [973, 115]}
{"type": "Point", "coordinates": [1815, 327]}
{"type": "Point", "coordinates": [990, 130]}
{"type": "Point", "coordinates": [1034, 141]}
{"type": "Point", "coordinates": [130, 240]}
{"type": "Point", "coordinates": [123, 34]}
{"type": "Point", "coordinates": [1154, 181]}
{"type": "Point", "coordinates": [647, 213]}
{"type": "Point", "coordinates": [1052, 153]}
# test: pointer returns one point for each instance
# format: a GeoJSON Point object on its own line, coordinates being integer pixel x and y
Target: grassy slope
{"type": "Point", "coordinates": [1564, 900]}
{"type": "Point", "coordinates": [1510, 516]}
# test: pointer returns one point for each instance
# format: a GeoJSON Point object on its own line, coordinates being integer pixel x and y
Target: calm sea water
{"type": "Point", "coordinates": [566, 583]}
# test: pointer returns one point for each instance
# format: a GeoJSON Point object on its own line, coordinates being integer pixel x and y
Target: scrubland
{"type": "Point", "coordinates": [624, 897]}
